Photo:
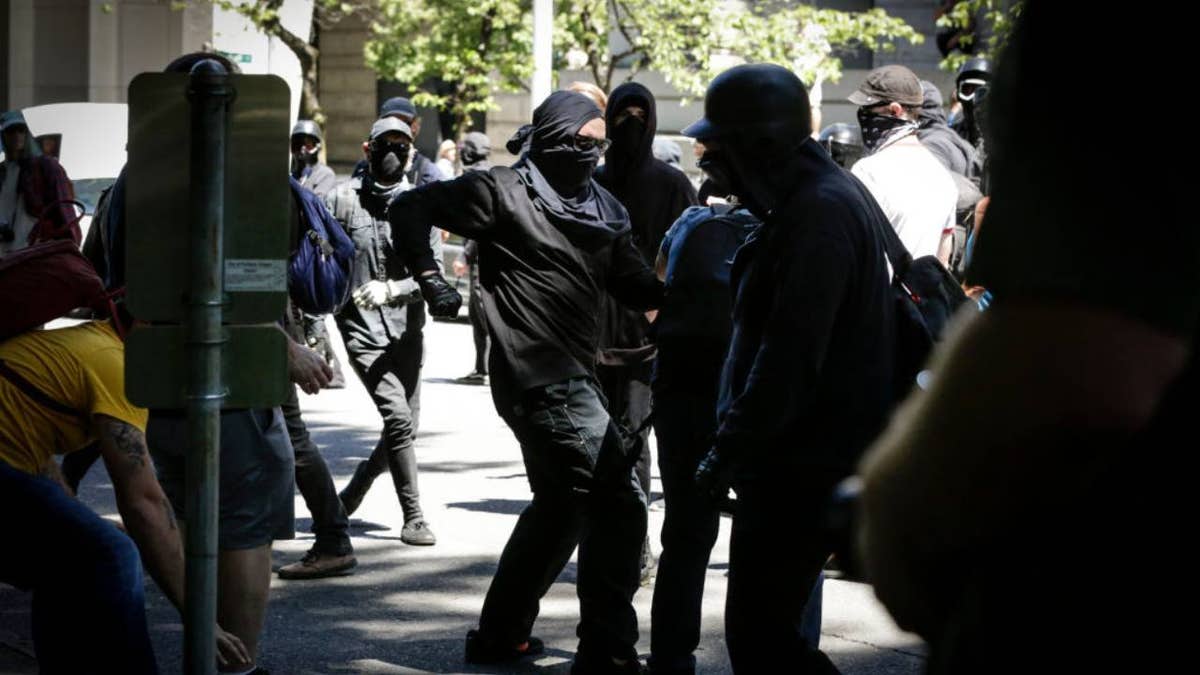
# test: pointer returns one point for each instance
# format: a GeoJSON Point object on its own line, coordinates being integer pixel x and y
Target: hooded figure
{"type": "Point", "coordinates": [935, 133]}
{"type": "Point", "coordinates": [35, 192]}
{"type": "Point", "coordinates": [558, 172]}
{"type": "Point", "coordinates": [553, 244]}
{"type": "Point", "coordinates": [654, 194]}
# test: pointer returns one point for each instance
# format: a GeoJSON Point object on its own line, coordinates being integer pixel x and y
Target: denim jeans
{"type": "Point", "coordinates": [585, 494]}
{"type": "Point", "coordinates": [89, 613]}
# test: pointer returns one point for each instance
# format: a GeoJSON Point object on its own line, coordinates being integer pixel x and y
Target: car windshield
{"type": "Point", "coordinates": [88, 190]}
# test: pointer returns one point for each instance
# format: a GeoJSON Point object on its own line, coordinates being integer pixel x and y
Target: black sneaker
{"type": "Point", "coordinates": [480, 650]}
{"type": "Point", "coordinates": [417, 533]}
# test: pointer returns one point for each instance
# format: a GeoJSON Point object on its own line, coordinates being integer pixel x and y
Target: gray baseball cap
{"type": "Point", "coordinates": [385, 124]}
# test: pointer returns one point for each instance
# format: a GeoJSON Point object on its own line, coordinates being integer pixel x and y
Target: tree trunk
{"type": "Point", "coordinates": [309, 57]}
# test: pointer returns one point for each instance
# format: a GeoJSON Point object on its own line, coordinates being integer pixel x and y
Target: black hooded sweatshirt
{"type": "Point", "coordinates": [654, 194]}
{"type": "Point", "coordinates": [551, 247]}
{"type": "Point", "coordinates": [955, 153]}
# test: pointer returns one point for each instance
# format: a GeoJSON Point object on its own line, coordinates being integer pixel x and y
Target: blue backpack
{"type": "Point", "coordinates": [319, 271]}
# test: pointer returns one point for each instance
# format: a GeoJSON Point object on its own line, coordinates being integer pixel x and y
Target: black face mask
{"type": "Point", "coordinates": [973, 114]}
{"type": "Point", "coordinates": [388, 160]}
{"type": "Point", "coordinates": [627, 136]}
{"type": "Point", "coordinates": [878, 128]}
{"type": "Point", "coordinates": [715, 164]}
{"type": "Point", "coordinates": [565, 167]}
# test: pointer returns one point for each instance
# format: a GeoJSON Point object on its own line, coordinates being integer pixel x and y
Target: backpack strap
{"type": "Point", "coordinates": [37, 395]}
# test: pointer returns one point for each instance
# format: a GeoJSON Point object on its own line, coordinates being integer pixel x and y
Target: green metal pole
{"type": "Point", "coordinates": [210, 93]}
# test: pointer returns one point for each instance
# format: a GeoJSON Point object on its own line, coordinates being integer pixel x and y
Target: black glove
{"type": "Point", "coordinates": [444, 302]}
{"type": "Point", "coordinates": [714, 475]}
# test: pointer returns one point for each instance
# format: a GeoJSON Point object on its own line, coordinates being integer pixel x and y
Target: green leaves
{"type": "Point", "coordinates": [994, 19]}
{"type": "Point", "coordinates": [481, 46]}
{"type": "Point", "coordinates": [460, 42]}
{"type": "Point", "coordinates": [690, 41]}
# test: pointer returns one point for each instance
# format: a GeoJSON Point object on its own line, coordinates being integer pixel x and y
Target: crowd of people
{"type": "Point", "coordinates": [752, 324]}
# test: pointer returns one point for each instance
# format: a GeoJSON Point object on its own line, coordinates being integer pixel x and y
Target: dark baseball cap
{"type": "Point", "coordinates": [398, 105]}
{"type": "Point", "coordinates": [384, 125]}
{"type": "Point", "coordinates": [888, 84]}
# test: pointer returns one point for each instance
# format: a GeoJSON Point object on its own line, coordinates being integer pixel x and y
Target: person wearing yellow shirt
{"type": "Point", "coordinates": [61, 391]}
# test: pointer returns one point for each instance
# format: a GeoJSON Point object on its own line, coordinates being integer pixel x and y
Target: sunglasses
{"type": "Point", "coordinates": [399, 146]}
{"type": "Point", "coordinates": [586, 143]}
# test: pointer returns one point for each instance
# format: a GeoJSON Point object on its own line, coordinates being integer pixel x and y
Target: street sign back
{"type": "Point", "coordinates": [253, 367]}
{"type": "Point", "coordinates": [257, 199]}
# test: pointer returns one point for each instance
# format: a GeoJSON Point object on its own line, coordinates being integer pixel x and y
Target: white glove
{"type": "Point", "coordinates": [372, 294]}
{"type": "Point", "coordinates": [376, 293]}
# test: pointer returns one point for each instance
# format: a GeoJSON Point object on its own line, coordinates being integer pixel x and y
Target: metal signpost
{"type": "Point", "coordinates": [207, 229]}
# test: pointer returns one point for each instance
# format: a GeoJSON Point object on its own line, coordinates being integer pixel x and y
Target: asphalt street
{"type": "Point", "coordinates": [407, 609]}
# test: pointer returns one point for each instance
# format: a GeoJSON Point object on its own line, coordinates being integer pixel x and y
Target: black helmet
{"type": "Point", "coordinates": [307, 128]}
{"type": "Point", "coordinates": [973, 74]}
{"type": "Point", "coordinates": [843, 142]}
{"type": "Point", "coordinates": [754, 100]}
{"type": "Point", "coordinates": [978, 67]}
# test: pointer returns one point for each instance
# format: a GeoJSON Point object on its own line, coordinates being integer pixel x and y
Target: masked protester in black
{"type": "Point", "coordinates": [552, 244]}
{"type": "Point", "coordinates": [383, 326]}
{"type": "Point", "coordinates": [807, 381]}
{"type": "Point", "coordinates": [654, 194]}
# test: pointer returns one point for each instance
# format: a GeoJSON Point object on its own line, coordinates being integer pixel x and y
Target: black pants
{"type": "Point", "coordinates": [627, 390]}
{"type": "Point", "coordinates": [777, 550]}
{"type": "Point", "coordinates": [585, 494]}
{"type": "Point", "coordinates": [330, 522]}
{"type": "Point", "coordinates": [686, 382]}
{"type": "Point", "coordinates": [479, 327]}
{"type": "Point", "coordinates": [392, 375]}
{"type": "Point", "coordinates": [684, 423]}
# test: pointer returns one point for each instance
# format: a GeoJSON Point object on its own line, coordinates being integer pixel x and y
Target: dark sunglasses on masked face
{"type": "Point", "coordinates": [587, 143]}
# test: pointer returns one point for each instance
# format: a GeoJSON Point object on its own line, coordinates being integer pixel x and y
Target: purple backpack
{"type": "Point", "coordinates": [319, 270]}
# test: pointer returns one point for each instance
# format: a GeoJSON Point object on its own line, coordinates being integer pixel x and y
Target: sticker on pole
{"type": "Point", "coordinates": [255, 275]}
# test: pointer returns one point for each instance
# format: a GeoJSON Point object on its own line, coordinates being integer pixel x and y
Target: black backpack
{"type": "Point", "coordinates": [926, 296]}
{"type": "Point", "coordinates": [698, 301]}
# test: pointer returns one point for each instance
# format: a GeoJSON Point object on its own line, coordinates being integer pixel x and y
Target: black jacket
{"type": "Point", "coordinates": [362, 214]}
{"type": "Point", "coordinates": [654, 194]}
{"type": "Point", "coordinates": [808, 378]}
{"type": "Point", "coordinates": [542, 287]}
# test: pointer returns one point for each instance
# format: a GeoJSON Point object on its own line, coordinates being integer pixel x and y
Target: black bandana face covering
{"type": "Point", "coordinates": [878, 129]}
{"type": "Point", "coordinates": [566, 168]}
{"type": "Point", "coordinates": [388, 160]}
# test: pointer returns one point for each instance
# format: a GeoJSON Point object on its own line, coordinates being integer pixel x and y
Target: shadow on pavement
{"type": "Point", "coordinates": [509, 507]}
